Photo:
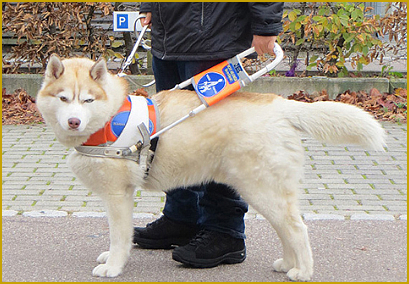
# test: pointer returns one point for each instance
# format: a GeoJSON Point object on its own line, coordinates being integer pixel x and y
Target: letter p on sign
{"type": "Point", "coordinates": [122, 20]}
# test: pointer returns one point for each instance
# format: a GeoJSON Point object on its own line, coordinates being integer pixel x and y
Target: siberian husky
{"type": "Point", "coordinates": [249, 141]}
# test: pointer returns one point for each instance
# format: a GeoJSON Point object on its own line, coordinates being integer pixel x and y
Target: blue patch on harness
{"type": "Point", "coordinates": [210, 84]}
{"type": "Point", "coordinates": [118, 122]}
{"type": "Point", "coordinates": [150, 126]}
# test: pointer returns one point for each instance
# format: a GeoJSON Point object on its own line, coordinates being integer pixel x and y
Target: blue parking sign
{"type": "Point", "coordinates": [126, 21]}
{"type": "Point", "coordinates": [122, 21]}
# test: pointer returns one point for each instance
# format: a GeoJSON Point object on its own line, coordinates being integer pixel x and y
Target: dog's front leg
{"type": "Point", "coordinates": [119, 211]}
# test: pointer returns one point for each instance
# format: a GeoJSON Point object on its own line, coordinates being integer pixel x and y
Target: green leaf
{"type": "Point", "coordinates": [323, 10]}
{"type": "Point", "coordinates": [361, 7]}
{"type": "Point", "coordinates": [343, 72]}
{"type": "Point", "coordinates": [118, 55]}
{"type": "Point", "coordinates": [349, 7]}
{"type": "Point", "coordinates": [309, 67]}
{"type": "Point", "coordinates": [355, 15]}
{"type": "Point", "coordinates": [292, 27]}
{"type": "Point", "coordinates": [348, 36]}
{"type": "Point", "coordinates": [324, 22]}
{"type": "Point", "coordinates": [292, 16]}
{"type": "Point", "coordinates": [110, 52]}
{"type": "Point", "coordinates": [116, 44]}
{"type": "Point", "coordinates": [297, 11]}
{"type": "Point", "coordinates": [340, 64]}
{"type": "Point", "coordinates": [398, 75]}
{"type": "Point", "coordinates": [313, 58]}
{"type": "Point", "coordinates": [344, 20]}
{"type": "Point", "coordinates": [336, 20]}
{"type": "Point", "coordinates": [297, 26]}
{"type": "Point", "coordinates": [301, 19]}
{"type": "Point", "coordinates": [317, 18]}
{"type": "Point", "coordinates": [365, 50]}
{"type": "Point", "coordinates": [300, 41]}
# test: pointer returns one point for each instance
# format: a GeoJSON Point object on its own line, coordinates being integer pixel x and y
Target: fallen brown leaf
{"type": "Point", "coordinates": [385, 106]}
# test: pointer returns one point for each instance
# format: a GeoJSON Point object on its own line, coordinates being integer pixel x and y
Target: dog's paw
{"type": "Point", "coordinates": [296, 274]}
{"type": "Point", "coordinates": [105, 270]}
{"type": "Point", "coordinates": [102, 258]}
{"type": "Point", "coordinates": [281, 266]}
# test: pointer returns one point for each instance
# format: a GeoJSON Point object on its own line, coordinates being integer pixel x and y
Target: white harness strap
{"type": "Point", "coordinates": [139, 114]}
{"type": "Point", "coordinates": [134, 142]}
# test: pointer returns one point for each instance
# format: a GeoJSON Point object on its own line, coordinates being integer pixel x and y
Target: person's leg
{"type": "Point", "coordinates": [176, 227]}
{"type": "Point", "coordinates": [166, 74]}
{"type": "Point", "coordinates": [181, 212]}
{"type": "Point", "coordinates": [222, 237]}
{"type": "Point", "coordinates": [188, 69]}
{"type": "Point", "coordinates": [182, 205]}
{"type": "Point", "coordinates": [223, 210]}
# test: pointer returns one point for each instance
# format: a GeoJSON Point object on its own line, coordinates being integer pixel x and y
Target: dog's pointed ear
{"type": "Point", "coordinates": [99, 70]}
{"type": "Point", "coordinates": [55, 68]}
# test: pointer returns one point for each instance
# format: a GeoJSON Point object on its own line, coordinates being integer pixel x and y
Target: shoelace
{"type": "Point", "coordinates": [202, 238]}
{"type": "Point", "coordinates": [156, 222]}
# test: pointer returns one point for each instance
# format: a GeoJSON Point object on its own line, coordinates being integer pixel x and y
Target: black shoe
{"type": "Point", "coordinates": [163, 234]}
{"type": "Point", "coordinates": [209, 249]}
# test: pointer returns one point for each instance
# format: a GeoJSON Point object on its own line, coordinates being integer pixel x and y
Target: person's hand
{"type": "Point", "coordinates": [147, 20]}
{"type": "Point", "coordinates": [264, 44]}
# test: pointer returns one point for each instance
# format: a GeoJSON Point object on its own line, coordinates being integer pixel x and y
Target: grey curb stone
{"type": "Point", "coordinates": [45, 213]}
{"type": "Point", "coordinates": [403, 217]}
{"type": "Point", "coordinates": [312, 217]}
{"type": "Point", "coordinates": [279, 85]}
{"type": "Point", "coordinates": [89, 214]}
{"type": "Point", "coordinates": [378, 217]}
{"type": "Point", "coordinates": [143, 215]}
{"type": "Point", "coordinates": [8, 213]}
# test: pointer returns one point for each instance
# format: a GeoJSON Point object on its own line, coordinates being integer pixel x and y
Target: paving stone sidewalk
{"type": "Point", "coordinates": [340, 182]}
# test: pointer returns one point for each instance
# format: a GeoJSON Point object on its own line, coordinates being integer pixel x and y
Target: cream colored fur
{"type": "Point", "coordinates": [248, 141]}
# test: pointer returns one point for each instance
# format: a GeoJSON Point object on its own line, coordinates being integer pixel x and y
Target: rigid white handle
{"type": "Point", "coordinates": [279, 56]}
{"type": "Point", "coordinates": [135, 47]}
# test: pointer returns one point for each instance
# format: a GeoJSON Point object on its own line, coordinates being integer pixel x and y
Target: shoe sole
{"type": "Point", "coordinates": [160, 244]}
{"type": "Point", "coordinates": [229, 258]}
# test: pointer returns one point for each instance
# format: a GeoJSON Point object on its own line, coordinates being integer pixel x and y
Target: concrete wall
{"type": "Point", "coordinates": [280, 85]}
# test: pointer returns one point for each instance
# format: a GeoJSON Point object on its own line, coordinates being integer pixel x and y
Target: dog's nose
{"type": "Point", "coordinates": [74, 123]}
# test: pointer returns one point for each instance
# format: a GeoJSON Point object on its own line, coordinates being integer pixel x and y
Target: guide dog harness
{"type": "Point", "coordinates": [127, 134]}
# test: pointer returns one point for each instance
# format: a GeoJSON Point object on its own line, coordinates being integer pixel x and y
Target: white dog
{"type": "Point", "coordinates": [248, 141]}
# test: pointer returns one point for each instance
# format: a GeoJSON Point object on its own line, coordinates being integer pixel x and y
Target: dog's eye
{"type": "Point", "coordinates": [64, 99]}
{"type": "Point", "coordinates": [88, 101]}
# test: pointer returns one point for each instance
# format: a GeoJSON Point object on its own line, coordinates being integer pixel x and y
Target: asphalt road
{"type": "Point", "coordinates": [61, 249]}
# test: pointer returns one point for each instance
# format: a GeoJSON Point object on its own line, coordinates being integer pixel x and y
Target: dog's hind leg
{"type": "Point", "coordinates": [119, 210]}
{"type": "Point", "coordinates": [297, 260]}
{"type": "Point", "coordinates": [280, 208]}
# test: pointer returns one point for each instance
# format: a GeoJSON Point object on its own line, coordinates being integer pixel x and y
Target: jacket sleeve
{"type": "Point", "coordinates": [145, 7]}
{"type": "Point", "coordinates": [266, 18]}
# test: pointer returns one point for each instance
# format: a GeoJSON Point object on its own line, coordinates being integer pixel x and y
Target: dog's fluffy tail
{"type": "Point", "coordinates": [337, 123]}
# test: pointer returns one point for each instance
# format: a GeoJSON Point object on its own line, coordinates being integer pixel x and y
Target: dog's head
{"type": "Point", "coordinates": [78, 96]}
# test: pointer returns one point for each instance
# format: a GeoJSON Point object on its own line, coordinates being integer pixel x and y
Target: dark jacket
{"type": "Point", "coordinates": [209, 30]}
